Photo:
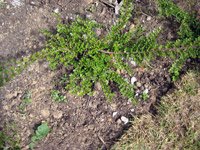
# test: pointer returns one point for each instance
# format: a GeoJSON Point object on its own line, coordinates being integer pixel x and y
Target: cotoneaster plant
{"type": "Point", "coordinates": [188, 43]}
{"type": "Point", "coordinates": [92, 59]}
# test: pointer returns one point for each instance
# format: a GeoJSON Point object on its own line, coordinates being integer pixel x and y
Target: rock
{"type": "Point", "coordinates": [35, 3]}
{"type": "Point", "coordinates": [132, 27]}
{"type": "Point", "coordinates": [88, 1]}
{"type": "Point", "coordinates": [114, 114]}
{"type": "Point", "coordinates": [113, 106]}
{"type": "Point", "coordinates": [137, 94]}
{"type": "Point", "coordinates": [45, 113]}
{"type": "Point", "coordinates": [89, 16]}
{"type": "Point", "coordinates": [8, 7]}
{"type": "Point", "coordinates": [119, 121]}
{"type": "Point", "coordinates": [133, 80]}
{"type": "Point", "coordinates": [124, 119]}
{"type": "Point", "coordinates": [13, 95]}
{"type": "Point", "coordinates": [5, 107]}
{"type": "Point", "coordinates": [57, 114]}
{"type": "Point", "coordinates": [146, 91]}
{"type": "Point", "coordinates": [117, 7]}
{"type": "Point", "coordinates": [98, 86]}
{"type": "Point", "coordinates": [132, 110]}
{"type": "Point", "coordinates": [98, 31]}
{"type": "Point", "coordinates": [95, 93]}
{"type": "Point", "coordinates": [170, 36]}
{"type": "Point", "coordinates": [56, 10]}
{"type": "Point", "coordinates": [133, 63]}
{"type": "Point", "coordinates": [149, 18]}
{"type": "Point", "coordinates": [17, 3]}
{"type": "Point", "coordinates": [138, 84]}
{"type": "Point", "coordinates": [142, 88]}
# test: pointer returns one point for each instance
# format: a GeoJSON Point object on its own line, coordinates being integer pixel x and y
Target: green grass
{"type": "Point", "coordinates": [177, 125]}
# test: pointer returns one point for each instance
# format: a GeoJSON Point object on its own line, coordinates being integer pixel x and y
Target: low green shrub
{"type": "Point", "coordinates": [188, 43]}
{"type": "Point", "coordinates": [93, 59]}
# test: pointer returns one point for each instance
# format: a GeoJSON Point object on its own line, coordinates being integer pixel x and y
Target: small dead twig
{"type": "Point", "coordinates": [101, 139]}
{"type": "Point", "coordinates": [106, 3]}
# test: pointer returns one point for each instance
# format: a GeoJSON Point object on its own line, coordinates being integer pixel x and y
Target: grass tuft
{"type": "Point", "coordinates": [177, 125]}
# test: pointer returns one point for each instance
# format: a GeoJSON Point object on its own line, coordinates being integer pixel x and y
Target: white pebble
{"type": "Point", "coordinates": [137, 94]}
{"type": "Point", "coordinates": [118, 7]}
{"type": "Point", "coordinates": [146, 91]}
{"type": "Point", "coordinates": [133, 63]}
{"type": "Point", "coordinates": [148, 18]}
{"type": "Point", "coordinates": [56, 10]}
{"type": "Point", "coordinates": [133, 80]}
{"type": "Point", "coordinates": [114, 114]}
{"type": "Point", "coordinates": [132, 110]}
{"type": "Point", "coordinates": [124, 119]}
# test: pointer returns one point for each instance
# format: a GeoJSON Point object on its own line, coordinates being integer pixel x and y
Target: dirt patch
{"type": "Point", "coordinates": [22, 21]}
{"type": "Point", "coordinates": [80, 123]}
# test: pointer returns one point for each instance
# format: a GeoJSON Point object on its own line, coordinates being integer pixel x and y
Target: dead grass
{"type": "Point", "coordinates": [177, 125]}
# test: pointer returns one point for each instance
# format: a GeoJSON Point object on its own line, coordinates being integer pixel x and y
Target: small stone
{"type": "Point", "coordinates": [114, 106]}
{"type": "Point", "coordinates": [98, 86]}
{"type": "Point", "coordinates": [138, 84]}
{"type": "Point", "coordinates": [124, 119]}
{"type": "Point", "coordinates": [142, 88]}
{"type": "Point", "coordinates": [88, 1]}
{"type": "Point", "coordinates": [188, 60]}
{"type": "Point", "coordinates": [56, 10]}
{"type": "Point", "coordinates": [118, 7]}
{"type": "Point", "coordinates": [133, 80]}
{"type": "Point", "coordinates": [102, 120]}
{"type": "Point", "coordinates": [133, 63]}
{"type": "Point", "coordinates": [89, 16]}
{"type": "Point", "coordinates": [98, 31]}
{"type": "Point", "coordinates": [12, 95]}
{"type": "Point", "coordinates": [129, 102]}
{"type": "Point", "coordinates": [57, 114]}
{"type": "Point", "coordinates": [95, 93]}
{"type": "Point", "coordinates": [170, 36]}
{"type": "Point", "coordinates": [118, 71]}
{"type": "Point", "coordinates": [5, 107]}
{"type": "Point", "coordinates": [114, 114]}
{"type": "Point", "coordinates": [132, 110]}
{"type": "Point", "coordinates": [146, 91]}
{"type": "Point", "coordinates": [146, 85]}
{"type": "Point", "coordinates": [149, 18]}
{"type": "Point", "coordinates": [31, 115]}
{"type": "Point", "coordinates": [45, 113]}
{"type": "Point", "coordinates": [8, 7]}
{"type": "Point", "coordinates": [132, 27]}
{"type": "Point", "coordinates": [34, 46]}
{"type": "Point", "coordinates": [119, 121]}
